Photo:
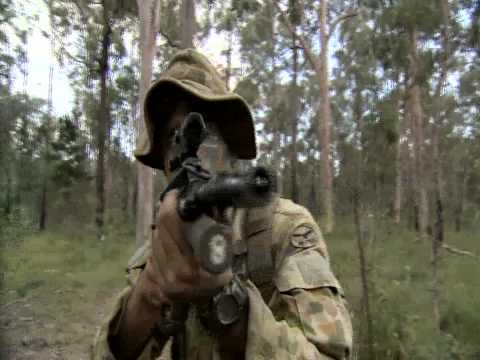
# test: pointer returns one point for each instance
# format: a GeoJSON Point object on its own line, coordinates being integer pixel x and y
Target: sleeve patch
{"type": "Point", "coordinates": [304, 236]}
{"type": "Point", "coordinates": [305, 270]}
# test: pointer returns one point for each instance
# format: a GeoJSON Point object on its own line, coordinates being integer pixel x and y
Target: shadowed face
{"type": "Point", "coordinates": [213, 152]}
{"type": "Point", "coordinates": [174, 123]}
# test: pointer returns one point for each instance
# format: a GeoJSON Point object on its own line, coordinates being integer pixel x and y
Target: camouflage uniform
{"type": "Point", "coordinates": [296, 305]}
{"type": "Point", "coordinates": [302, 317]}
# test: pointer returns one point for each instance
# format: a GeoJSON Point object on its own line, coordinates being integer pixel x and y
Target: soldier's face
{"type": "Point", "coordinates": [213, 152]}
{"type": "Point", "coordinates": [174, 123]}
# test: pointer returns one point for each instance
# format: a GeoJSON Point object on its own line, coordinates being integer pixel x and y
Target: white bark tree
{"type": "Point", "coordinates": [319, 64]}
{"type": "Point", "coordinates": [188, 23]}
{"type": "Point", "coordinates": [149, 16]}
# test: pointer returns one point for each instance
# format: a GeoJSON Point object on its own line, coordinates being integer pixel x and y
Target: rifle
{"type": "Point", "coordinates": [202, 194]}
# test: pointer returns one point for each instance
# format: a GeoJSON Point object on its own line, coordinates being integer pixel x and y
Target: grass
{"type": "Point", "coordinates": [70, 270]}
{"type": "Point", "coordinates": [400, 274]}
{"type": "Point", "coordinates": [62, 268]}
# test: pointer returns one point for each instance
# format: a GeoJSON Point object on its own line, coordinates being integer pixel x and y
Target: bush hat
{"type": "Point", "coordinates": [192, 78]}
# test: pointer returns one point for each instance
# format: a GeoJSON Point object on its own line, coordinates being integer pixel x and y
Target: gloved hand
{"type": "Point", "coordinates": [172, 274]}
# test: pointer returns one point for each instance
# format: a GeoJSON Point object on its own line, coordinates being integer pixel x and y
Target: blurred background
{"type": "Point", "coordinates": [369, 111]}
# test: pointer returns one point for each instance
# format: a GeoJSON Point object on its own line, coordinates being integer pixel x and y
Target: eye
{"type": "Point", "coordinates": [171, 137]}
{"type": "Point", "coordinates": [176, 137]}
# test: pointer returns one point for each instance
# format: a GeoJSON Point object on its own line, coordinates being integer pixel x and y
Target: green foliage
{"type": "Point", "coordinates": [474, 36]}
{"type": "Point", "coordinates": [401, 296]}
{"type": "Point", "coordinates": [18, 150]}
{"type": "Point", "coordinates": [295, 11]}
{"type": "Point", "coordinates": [169, 19]}
{"type": "Point", "coordinates": [387, 128]}
{"type": "Point", "coordinates": [68, 155]}
{"type": "Point", "coordinates": [14, 226]}
{"type": "Point", "coordinates": [248, 90]}
{"type": "Point", "coordinates": [409, 14]}
{"type": "Point", "coordinates": [245, 6]}
{"type": "Point", "coordinates": [65, 260]}
{"type": "Point", "coordinates": [469, 85]}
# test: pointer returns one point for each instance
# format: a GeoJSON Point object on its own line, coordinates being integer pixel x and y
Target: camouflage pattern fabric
{"type": "Point", "coordinates": [305, 318]}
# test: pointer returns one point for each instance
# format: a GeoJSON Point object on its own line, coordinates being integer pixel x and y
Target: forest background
{"type": "Point", "coordinates": [369, 111]}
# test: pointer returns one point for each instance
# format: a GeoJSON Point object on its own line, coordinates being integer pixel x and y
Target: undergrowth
{"type": "Point", "coordinates": [64, 268]}
{"type": "Point", "coordinates": [73, 268]}
{"type": "Point", "coordinates": [400, 279]}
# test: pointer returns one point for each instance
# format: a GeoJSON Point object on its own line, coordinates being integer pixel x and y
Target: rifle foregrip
{"type": "Point", "coordinates": [211, 244]}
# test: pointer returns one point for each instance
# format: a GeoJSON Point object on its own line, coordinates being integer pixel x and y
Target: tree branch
{"type": "Point", "coordinates": [63, 49]}
{"type": "Point", "coordinates": [83, 11]}
{"type": "Point", "coordinates": [156, 8]}
{"type": "Point", "coordinates": [444, 63]}
{"type": "Point", "coordinates": [170, 42]}
{"type": "Point", "coordinates": [338, 20]}
{"type": "Point", "coordinates": [457, 251]}
{"type": "Point", "coordinates": [73, 57]}
{"type": "Point", "coordinates": [312, 58]}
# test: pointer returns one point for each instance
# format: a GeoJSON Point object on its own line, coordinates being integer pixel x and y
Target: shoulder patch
{"type": "Point", "coordinates": [304, 236]}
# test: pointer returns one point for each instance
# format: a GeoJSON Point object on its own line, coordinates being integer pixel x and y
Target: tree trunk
{"type": "Point", "coordinates": [397, 198]}
{"type": "Point", "coordinates": [417, 127]}
{"type": "Point", "coordinates": [132, 194]}
{"type": "Point", "coordinates": [228, 70]}
{"type": "Point", "coordinates": [8, 192]}
{"type": "Point", "coordinates": [324, 124]}
{"type": "Point", "coordinates": [324, 116]}
{"type": "Point", "coordinates": [438, 237]}
{"type": "Point", "coordinates": [125, 196]}
{"type": "Point", "coordinates": [294, 120]}
{"type": "Point", "coordinates": [358, 218]}
{"type": "Point", "coordinates": [460, 184]}
{"type": "Point", "coordinates": [43, 205]}
{"type": "Point", "coordinates": [363, 275]}
{"type": "Point", "coordinates": [42, 224]}
{"type": "Point", "coordinates": [311, 199]}
{"type": "Point", "coordinates": [188, 23]}
{"type": "Point", "coordinates": [149, 13]}
{"type": "Point", "coordinates": [109, 169]}
{"type": "Point", "coordinates": [274, 100]}
{"type": "Point", "coordinates": [102, 123]}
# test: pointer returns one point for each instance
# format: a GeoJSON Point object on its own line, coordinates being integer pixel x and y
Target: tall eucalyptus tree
{"type": "Point", "coordinates": [149, 16]}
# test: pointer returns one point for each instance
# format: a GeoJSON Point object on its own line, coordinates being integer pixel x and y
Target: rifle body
{"type": "Point", "coordinates": [204, 196]}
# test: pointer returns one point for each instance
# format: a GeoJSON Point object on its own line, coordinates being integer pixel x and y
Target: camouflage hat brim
{"type": "Point", "coordinates": [229, 111]}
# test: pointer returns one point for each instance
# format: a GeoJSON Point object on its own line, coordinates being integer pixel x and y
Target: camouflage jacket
{"type": "Point", "coordinates": [296, 312]}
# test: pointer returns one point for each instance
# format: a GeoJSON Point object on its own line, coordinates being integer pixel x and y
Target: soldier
{"type": "Point", "coordinates": [288, 304]}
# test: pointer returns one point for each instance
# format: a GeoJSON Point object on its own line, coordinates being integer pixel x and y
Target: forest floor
{"type": "Point", "coordinates": [42, 327]}
{"type": "Point", "coordinates": [57, 287]}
